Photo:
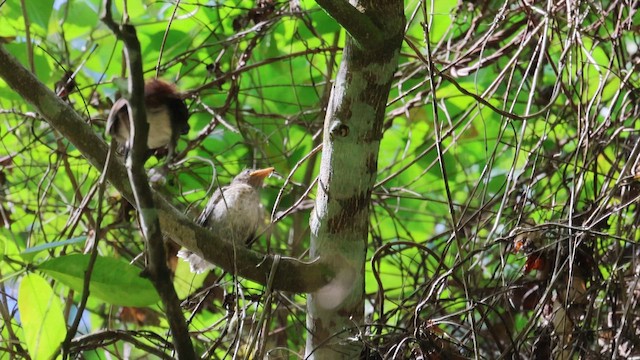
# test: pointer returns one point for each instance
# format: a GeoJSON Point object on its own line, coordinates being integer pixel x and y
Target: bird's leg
{"type": "Point", "coordinates": [171, 147]}
{"type": "Point", "coordinates": [158, 175]}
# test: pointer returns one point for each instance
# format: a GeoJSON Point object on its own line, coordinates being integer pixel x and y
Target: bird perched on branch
{"type": "Point", "coordinates": [167, 115]}
{"type": "Point", "coordinates": [234, 213]}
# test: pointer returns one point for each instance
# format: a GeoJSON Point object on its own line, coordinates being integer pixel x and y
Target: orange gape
{"type": "Point", "coordinates": [234, 213]}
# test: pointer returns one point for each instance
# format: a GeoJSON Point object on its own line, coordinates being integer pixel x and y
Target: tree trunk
{"type": "Point", "coordinates": [339, 224]}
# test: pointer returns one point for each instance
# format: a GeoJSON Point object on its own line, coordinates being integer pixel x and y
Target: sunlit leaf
{"type": "Point", "coordinates": [113, 281]}
{"type": "Point", "coordinates": [41, 317]}
{"type": "Point", "coordinates": [40, 12]}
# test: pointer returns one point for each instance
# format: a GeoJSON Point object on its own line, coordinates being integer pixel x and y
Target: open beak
{"type": "Point", "coordinates": [262, 173]}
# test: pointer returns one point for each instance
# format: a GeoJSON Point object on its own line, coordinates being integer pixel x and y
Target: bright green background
{"type": "Point", "coordinates": [495, 173]}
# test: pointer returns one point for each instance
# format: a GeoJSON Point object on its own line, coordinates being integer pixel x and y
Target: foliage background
{"type": "Point", "coordinates": [527, 132]}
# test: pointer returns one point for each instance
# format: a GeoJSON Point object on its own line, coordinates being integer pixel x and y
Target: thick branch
{"type": "Point", "coordinates": [292, 275]}
{"type": "Point", "coordinates": [351, 144]}
{"type": "Point", "coordinates": [359, 25]}
{"type": "Point", "coordinates": [157, 269]}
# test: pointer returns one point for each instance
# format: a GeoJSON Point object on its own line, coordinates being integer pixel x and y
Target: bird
{"type": "Point", "coordinates": [167, 116]}
{"type": "Point", "coordinates": [234, 213]}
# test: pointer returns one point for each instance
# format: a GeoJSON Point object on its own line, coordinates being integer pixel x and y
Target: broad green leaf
{"type": "Point", "coordinates": [40, 12]}
{"type": "Point", "coordinates": [174, 43]}
{"type": "Point", "coordinates": [30, 252]}
{"type": "Point", "coordinates": [113, 281]}
{"type": "Point", "coordinates": [42, 65]}
{"type": "Point", "coordinates": [41, 317]}
{"type": "Point", "coordinates": [82, 13]}
{"type": "Point", "coordinates": [324, 24]}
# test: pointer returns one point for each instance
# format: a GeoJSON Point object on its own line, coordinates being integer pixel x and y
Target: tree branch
{"type": "Point", "coordinates": [156, 267]}
{"type": "Point", "coordinates": [292, 275]}
{"type": "Point", "coordinates": [359, 25]}
{"type": "Point", "coordinates": [339, 228]}
{"type": "Point", "coordinates": [139, 339]}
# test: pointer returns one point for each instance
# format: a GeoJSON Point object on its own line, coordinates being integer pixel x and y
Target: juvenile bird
{"type": "Point", "coordinates": [234, 213]}
{"type": "Point", "coordinates": [167, 115]}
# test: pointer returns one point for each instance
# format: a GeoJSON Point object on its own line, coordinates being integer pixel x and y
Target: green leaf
{"type": "Point", "coordinates": [324, 24]}
{"type": "Point", "coordinates": [4, 237]}
{"type": "Point", "coordinates": [82, 13]}
{"type": "Point", "coordinates": [113, 281]}
{"type": "Point", "coordinates": [175, 42]}
{"type": "Point", "coordinates": [40, 12]}
{"type": "Point", "coordinates": [41, 317]}
{"type": "Point", "coordinates": [30, 252]}
{"type": "Point", "coordinates": [43, 68]}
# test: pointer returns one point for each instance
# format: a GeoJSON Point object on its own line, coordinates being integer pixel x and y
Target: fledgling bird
{"type": "Point", "coordinates": [167, 115]}
{"type": "Point", "coordinates": [234, 213]}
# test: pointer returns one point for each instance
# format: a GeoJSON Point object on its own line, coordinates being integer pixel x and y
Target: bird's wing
{"type": "Point", "coordinates": [120, 105]}
{"type": "Point", "coordinates": [179, 115]}
{"type": "Point", "coordinates": [203, 219]}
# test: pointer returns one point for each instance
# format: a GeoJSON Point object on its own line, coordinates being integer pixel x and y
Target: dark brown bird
{"type": "Point", "coordinates": [234, 213]}
{"type": "Point", "coordinates": [167, 115]}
